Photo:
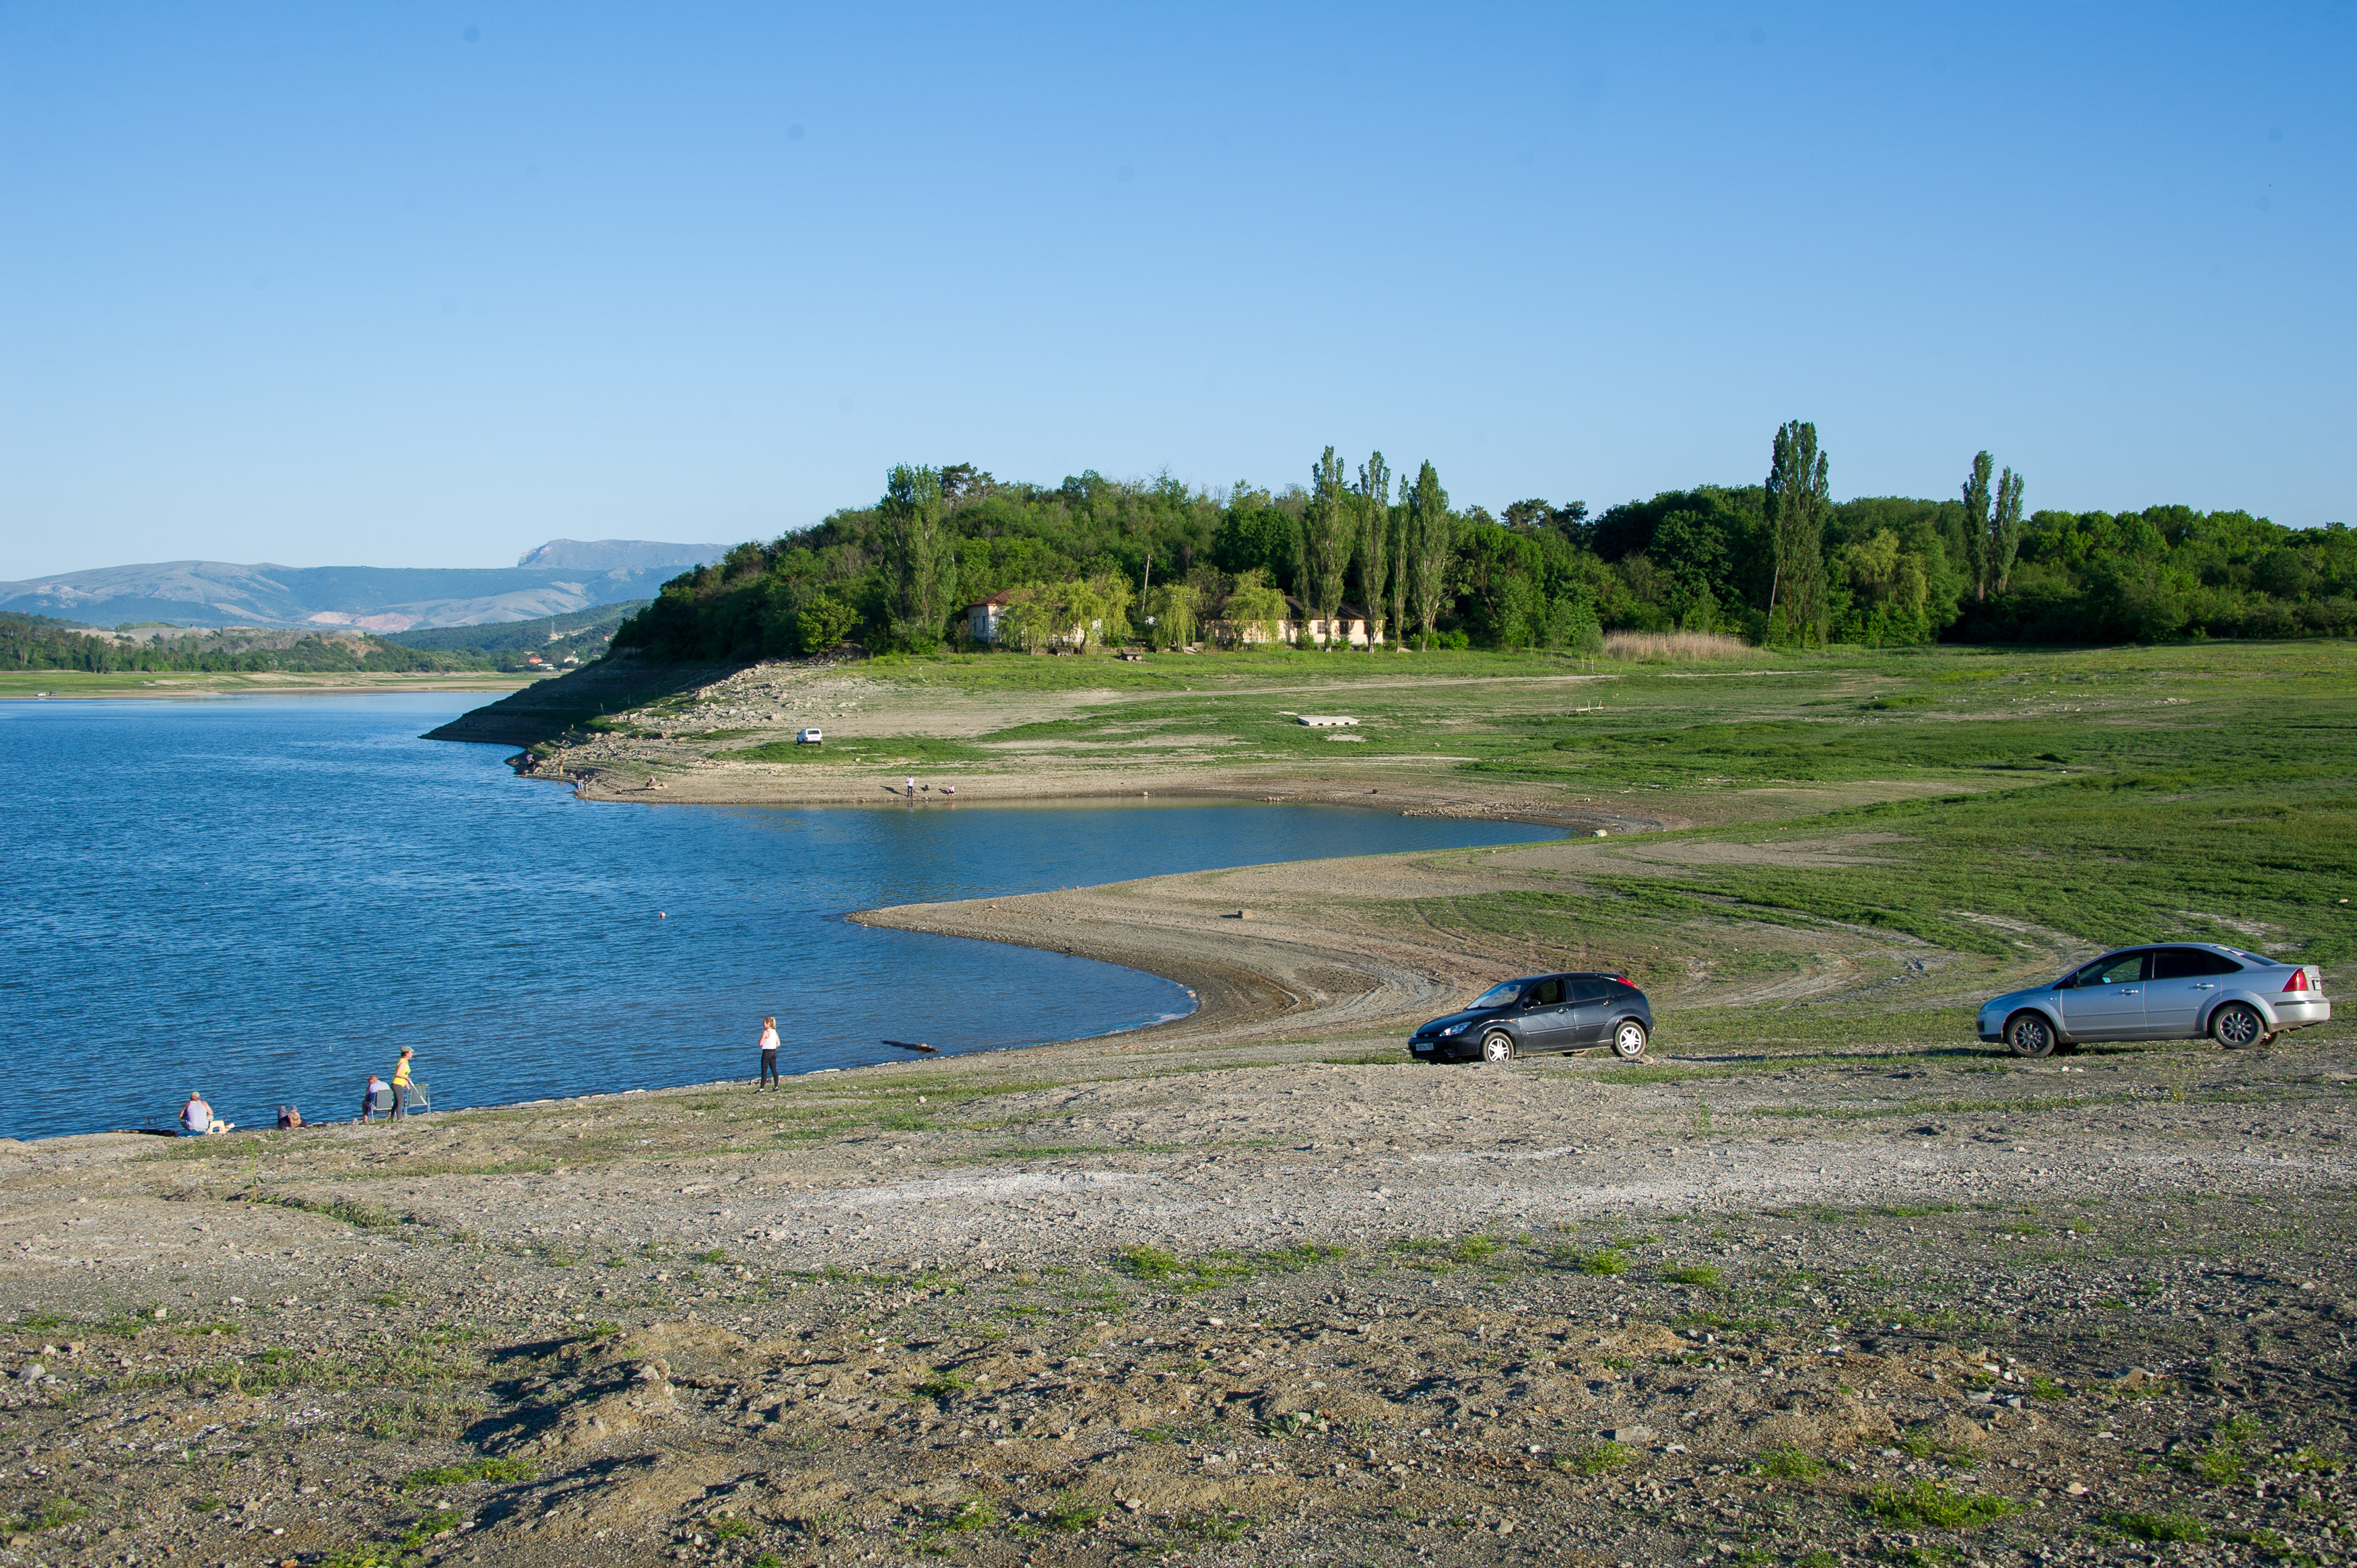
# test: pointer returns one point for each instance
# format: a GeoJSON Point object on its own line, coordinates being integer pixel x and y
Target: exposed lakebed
{"type": "Point", "coordinates": [265, 897]}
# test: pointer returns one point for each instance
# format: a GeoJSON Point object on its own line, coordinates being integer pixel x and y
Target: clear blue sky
{"type": "Point", "coordinates": [426, 283]}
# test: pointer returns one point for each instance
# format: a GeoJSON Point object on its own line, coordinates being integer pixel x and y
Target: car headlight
{"type": "Point", "coordinates": [1454, 1029]}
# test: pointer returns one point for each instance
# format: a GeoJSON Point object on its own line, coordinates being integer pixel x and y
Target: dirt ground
{"type": "Point", "coordinates": [1257, 1303]}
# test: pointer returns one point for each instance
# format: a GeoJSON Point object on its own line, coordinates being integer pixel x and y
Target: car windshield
{"type": "Point", "coordinates": [1498, 995]}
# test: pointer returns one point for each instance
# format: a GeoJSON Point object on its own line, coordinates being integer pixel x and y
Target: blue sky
{"type": "Point", "coordinates": [426, 283]}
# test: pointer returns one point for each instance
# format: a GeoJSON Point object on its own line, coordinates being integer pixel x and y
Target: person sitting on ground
{"type": "Point", "coordinates": [289, 1116]}
{"type": "Point", "coordinates": [196, 1116]}
{"type": "Point", "coordinates": [372, 1098]}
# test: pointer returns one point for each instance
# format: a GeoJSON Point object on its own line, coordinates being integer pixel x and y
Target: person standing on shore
{"type": "Point", "coordinates": [768, 1052]}
{"type": "Point", "coordinates": [401, 1086]}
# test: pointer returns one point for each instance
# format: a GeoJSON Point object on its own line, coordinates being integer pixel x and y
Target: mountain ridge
{"type": "Point", "coordinates": [564, 575]}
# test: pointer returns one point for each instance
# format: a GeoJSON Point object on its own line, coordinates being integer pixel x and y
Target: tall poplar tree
{"type": "Point", "coordinates": [919, 553]}
{"type": "Point", "coordinates": [1992, 526]}
{"type": "Point", "coordinates": [1395, 524]}
{"type": "Point", "coordinates": [1374, 541]}
{"type": "Point", "coordinates": [1977, 524]}
{"type": "Point", "coordinates": [1424, 559]}
{"type": "Point", "coordinates": [2004, 530]}
{"type": "Point", "coordinates": [1326, 531]}
{"type": "Point", "coordinates": [1798, 503]}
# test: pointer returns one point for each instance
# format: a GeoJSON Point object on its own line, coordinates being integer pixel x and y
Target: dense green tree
{"type": "Point", "coordinates": [1888, 570]}
{"type": "Point", "coordinates": [921, 552]}
{"type": "Point", "coordinates": [1798, 500]}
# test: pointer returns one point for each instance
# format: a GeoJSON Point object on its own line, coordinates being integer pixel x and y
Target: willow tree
{"type": "Point", "coordinates": [1325, 538]}
{"type": "Point", "coordinates": [1374, 541]}
{"type": "Point", "coordinates": [1798, 504]}
{"type": "Point", "coordinates": [1424, 554]}
{"type": "Point", "coordinates": [919, 553]}
{"type": "Point", "coordinates": [1255, 610]}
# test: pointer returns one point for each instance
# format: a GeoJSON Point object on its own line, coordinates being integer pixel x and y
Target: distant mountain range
{"type": "Point", "coordinates": [560, 576]}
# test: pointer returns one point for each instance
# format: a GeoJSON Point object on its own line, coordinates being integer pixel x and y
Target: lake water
{"type": "Point", "coordinates": [265, 897]}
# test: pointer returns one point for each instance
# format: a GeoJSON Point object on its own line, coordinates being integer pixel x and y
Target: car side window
{"type": "Point", "coordinates": [1546, 994]}
{"type": "Point", "coordinates": [2187, 963]}
{"type": "Point", "coordinates": [2125, 969]}
{"type": "Point", "coordinates": [1590, 991]}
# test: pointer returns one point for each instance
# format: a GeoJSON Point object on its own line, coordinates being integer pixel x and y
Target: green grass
{"type": "Point", "coordinates": [1926, 1504]}
{"type": "Point", "coordinates": [466, 1472]}
{"type": "Point", "coordinates": [1787, 1464]}
{"type": "Point", "coordinates": [1606, 1262]}
{"type": "Point", "coordinates": [1595, 1459]}
{"type": "Point", "coordinates": [2159, 1528]}
{"type": "Point", "coordinates": [1152, 1265]}
{"type": "Point", "coordinates": [1698, 1274]}
{"type": "Point", "coordinates": [51, 1513]}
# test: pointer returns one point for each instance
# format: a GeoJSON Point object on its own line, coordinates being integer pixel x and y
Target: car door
{"type": "Point", "coordinates": [1592, 1014]}
{"type": "Point", "coordinates": [2104, 1001]}
{"type": "Point", "coordinates": [2184, 981]}
{"type": "Point", "coordinates": [1546, 1019]}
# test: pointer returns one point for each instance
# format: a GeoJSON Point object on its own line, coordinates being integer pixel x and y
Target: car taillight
{"type": "Point", "coordinates": [1624, 980]}
{"type": "Point", "coordinates": [2298, 981]}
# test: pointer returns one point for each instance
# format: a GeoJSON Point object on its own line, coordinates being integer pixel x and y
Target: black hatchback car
{"type": "Point", "coordinates": [1541, 1013]}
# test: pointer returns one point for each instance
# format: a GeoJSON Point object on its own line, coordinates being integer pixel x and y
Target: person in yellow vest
{"type": "Point", "coordinates": [401, 1086]}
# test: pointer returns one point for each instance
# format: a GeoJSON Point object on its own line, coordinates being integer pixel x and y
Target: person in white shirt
{"type": "Point", "coordinates": [196, 1116]}
{"type": "Point", "coordinates": [768, 1052]}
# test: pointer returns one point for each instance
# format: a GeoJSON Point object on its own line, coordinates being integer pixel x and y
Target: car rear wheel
{"type": "Point", "coordinates": [1628, 1040]}
{"type": "Point", "coordinates": [2029, 1034]}
{"type": "Point", "coordinates": [2235, 1026]}
{"type": "Point", "coordinates": [1497, 1045]}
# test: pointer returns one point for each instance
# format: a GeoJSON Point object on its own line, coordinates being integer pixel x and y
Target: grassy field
{"type": "Point", "coordinates": [2109, 796]}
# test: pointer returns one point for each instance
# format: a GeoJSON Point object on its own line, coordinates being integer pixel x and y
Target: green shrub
{"type": "Point", "coordinates": [1700, 1274]}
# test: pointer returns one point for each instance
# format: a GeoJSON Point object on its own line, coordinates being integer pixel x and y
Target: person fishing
{"type": "Point", "coordinates": [401, 1086]}
{"type": "Point", "coordinates": [768, 1052]}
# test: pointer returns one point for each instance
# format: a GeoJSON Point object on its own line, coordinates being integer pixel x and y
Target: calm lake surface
{"type": "Point", "coordinates": [266, 897]}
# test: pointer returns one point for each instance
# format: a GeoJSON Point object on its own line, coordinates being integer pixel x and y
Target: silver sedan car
{"type": "Point", "coordinates": [2181, 991]}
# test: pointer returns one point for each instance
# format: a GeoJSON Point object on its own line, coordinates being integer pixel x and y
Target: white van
{"type": "Point", "coordinates": [809, 737]}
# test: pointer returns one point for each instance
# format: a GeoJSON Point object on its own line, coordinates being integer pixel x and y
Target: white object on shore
{"type": "Point", "coordinates": [1597, 833]}
{"type": "Point", "coordinates": [1324, 721]}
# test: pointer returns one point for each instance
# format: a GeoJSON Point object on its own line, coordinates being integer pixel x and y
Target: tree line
{"type": "Point", "coordinates": [1778, 562]}
{"type": "Point", "coordinates": [38, 642]}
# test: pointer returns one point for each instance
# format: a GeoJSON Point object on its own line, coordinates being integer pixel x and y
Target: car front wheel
{"type": "Point", "coordinates": [1497, 1045]}
{"type": "Point", "coordinates": [2235, 1026]}
{"type": "Point", "coordinates": [1628, 1040]}
{"type": "Point", "coordinates": [2029, 1034]}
